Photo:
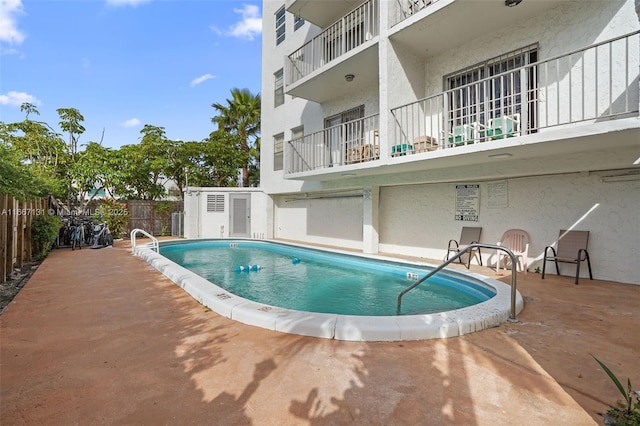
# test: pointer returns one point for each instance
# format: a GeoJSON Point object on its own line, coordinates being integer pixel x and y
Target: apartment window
{"type": "Point", "coordinates": [509, 92]}
{"type": "Point", "coordinates": [215, 203]}
{"type": "Point", "coordinates": [280, 20]}
{"type": "Point", "coordinates": [297, 22]}
{"type": "Point", "coordinates": [343, 131]}
{"type": "Point", "coordinates": [278, 152]}
{"type": "Point", "coordinates": [278, 95]}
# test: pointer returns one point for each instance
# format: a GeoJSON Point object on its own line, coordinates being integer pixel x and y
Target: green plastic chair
{"type": "Point", "coordinates": [402, 149]}
{"type": "Point", "coordinates": [461, 135]}
{"type": "Point", "coordinates": [506, 126]}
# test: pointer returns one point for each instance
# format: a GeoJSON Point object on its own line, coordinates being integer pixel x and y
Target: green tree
{"type": "Point", "coordinates": [134, 176]}
{"type": "Point", "coordinates": [71, 122]}
{"type": "Point", "coordinates": [222, 156]}
{"type": "Point", "coordinates": [241, 117]}
{"type": "Point", "coordinates": [184, 161]}
{"type": "Point", "coordinates": [94, 170]}
{"type": "Point", "coordinates": [154, 148]}
{"type": "Point", "coordinates": [33, 157]}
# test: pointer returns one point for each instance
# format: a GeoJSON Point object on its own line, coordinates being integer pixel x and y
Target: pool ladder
{"type": "Point", "coordinates": [512, 315]}
{"type": "Point", "coordinates": [154, 241]}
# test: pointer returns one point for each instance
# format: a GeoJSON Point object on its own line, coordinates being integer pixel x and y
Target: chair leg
{"type": "Point", "coordinates": [588, 264]}
{"type": "Point", "coordinates": [578, 271]}
{"type": "Point", "coordinates": [544, 260]}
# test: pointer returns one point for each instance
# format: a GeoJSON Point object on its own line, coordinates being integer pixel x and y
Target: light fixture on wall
{"type": "Point", "coordinates": [349, 77]}
{"type": "Point", "coordinates": [511, 3]}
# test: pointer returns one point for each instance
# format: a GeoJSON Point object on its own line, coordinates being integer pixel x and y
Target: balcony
{"type": "Point", "coordinates": [406, 8]}
{"type": "Point", "coordinates": [352, 142]}
{"type": "Point", "coordinates": [589, 85]}
{"type": "Point", "coordinates": [318, 13]}
{"type": "Point", "coordinates": [341, 48]}
{"type": "Point", "coordinates": [551, 99]}
{"type": "Point", "coordinates": [432, 28]}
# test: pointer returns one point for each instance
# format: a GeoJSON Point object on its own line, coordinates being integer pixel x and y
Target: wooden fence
{"type": "Point", "coordinates": [16, 217]}
{"type": "Point", "coordinates": [152, 216]}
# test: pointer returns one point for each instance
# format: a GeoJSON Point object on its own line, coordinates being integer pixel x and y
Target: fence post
{"type": "Point", "coordinates": [4, 241]}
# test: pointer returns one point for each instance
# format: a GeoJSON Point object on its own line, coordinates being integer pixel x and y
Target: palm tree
{"type": "Point", "coordinates": [241, 116]}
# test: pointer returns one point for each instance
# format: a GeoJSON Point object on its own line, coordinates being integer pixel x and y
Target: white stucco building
{"type": "Point", "coordinates": [388, 125]}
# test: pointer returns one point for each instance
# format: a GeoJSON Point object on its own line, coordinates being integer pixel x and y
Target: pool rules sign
{"type": "Point", "coordinates": [467, 202]}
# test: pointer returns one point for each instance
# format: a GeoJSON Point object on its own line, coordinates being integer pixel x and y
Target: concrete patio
{"type": "Point", "coordinates": [99, 337]}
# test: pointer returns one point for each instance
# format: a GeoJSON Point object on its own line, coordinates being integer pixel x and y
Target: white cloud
{"type": "Point", "coordinates": [201, 79]}
{"type": "Point", "coordinates": [248, 27]}
{"type": "Point", "coordinates": [9, 32]}
{"type": "Point", "coordinates": [132, 122]}
{"type": "Point", "coordinates": [133, 3]}
{"type": "Point", "coordinates": [14, 98]}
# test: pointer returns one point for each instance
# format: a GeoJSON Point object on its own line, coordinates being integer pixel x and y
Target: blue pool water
{"type": "Point", "coordinates": [319, 281]}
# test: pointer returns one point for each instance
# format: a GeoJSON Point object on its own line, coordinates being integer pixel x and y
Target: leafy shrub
{"type": "Point", "coordinates": [44, 230]}
{"type": "Point", "coordinates": [114, 213]}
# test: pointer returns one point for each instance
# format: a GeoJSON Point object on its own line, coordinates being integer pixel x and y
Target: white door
{"type": "Point", "coordinates": [240, 213]}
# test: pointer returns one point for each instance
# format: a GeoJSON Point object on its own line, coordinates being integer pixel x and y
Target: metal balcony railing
{"type": "Point", "coordinates": [352, 30]}
{"type": "Point", "coordinates": [405, 8]}
{"type": "Point", "coordinates": [347, 143]}
{"type": "Point", "coordinates": [599, 82]}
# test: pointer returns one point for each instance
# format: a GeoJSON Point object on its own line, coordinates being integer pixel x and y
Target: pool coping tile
{"type": "Point", "coordinates": [488, 314]}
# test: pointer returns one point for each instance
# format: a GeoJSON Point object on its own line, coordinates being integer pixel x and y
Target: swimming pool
{"type": "Point", "coordinates": [312, 311]}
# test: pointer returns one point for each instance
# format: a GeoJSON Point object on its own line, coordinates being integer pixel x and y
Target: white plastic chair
{"type": "Point", "coordinates": [517, 241]}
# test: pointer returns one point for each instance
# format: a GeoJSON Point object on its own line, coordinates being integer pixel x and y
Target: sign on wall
{"type": "Point", "coordinates": [497, 194]}
{"type": "Point", "coordinates": [467, 202]}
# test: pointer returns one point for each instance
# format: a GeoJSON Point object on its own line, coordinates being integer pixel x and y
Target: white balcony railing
{"type": "Point", "coordinates": [405, 8]}
{"type": "Point", "coordinates": [352, 30]}
{"type": "Point", "coordinates": [599, 82]}
{"type": "Point", "coordinates": [347, 143]}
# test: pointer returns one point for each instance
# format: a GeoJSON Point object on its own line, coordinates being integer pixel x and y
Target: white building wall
{"type": "Point", "coordinates": [331, 221]}
{"type": "Point", "coordinates": [294, 112]}
{"type": "Point", "coordinates": [199, 223]}
{"type": "Point", "coordinates": [418, 220]}
{"type": "Point", "coordinates": [415, 218]}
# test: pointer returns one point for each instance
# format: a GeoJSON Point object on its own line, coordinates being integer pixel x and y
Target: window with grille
{"type": "Point", "coordinates": [278, 152]}
{"type": "Point", "coordinates": [497, 87]}
{"type": "Point", "coordinates": [280, 20]}
{"type": "Point", "coordinates": [215, 203]}
{"type": "Point", "coordinates": [297, 22]}
{"type": "Point", "coordinates": [278, 95]}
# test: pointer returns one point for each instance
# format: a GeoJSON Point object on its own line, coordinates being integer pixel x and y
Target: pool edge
{"type": "Point", "coordinates": [488, 314]}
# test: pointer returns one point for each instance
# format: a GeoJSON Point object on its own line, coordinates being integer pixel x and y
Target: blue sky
{"type": "Point", "coordinates": [127, 63]}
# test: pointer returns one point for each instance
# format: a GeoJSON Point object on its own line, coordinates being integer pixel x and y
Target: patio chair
{"type": "Point", "coordinates": [461, 135]}
{"type": "Point", "coordinates": [517, 241]}
{"type": "Point", "coordinates": [468, 236]}
{"type": "Point", "coordinates": [572, 248]}
{"type": "Point", "coordinates": [506, 126]}
{"type": "Point", "coordinates": [401, 149]}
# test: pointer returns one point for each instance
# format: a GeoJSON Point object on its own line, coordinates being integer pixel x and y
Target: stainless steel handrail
{"type": "Point", "coordinates": [512, 315]}
{"type": "Point", "coordinates": [154, 241]}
